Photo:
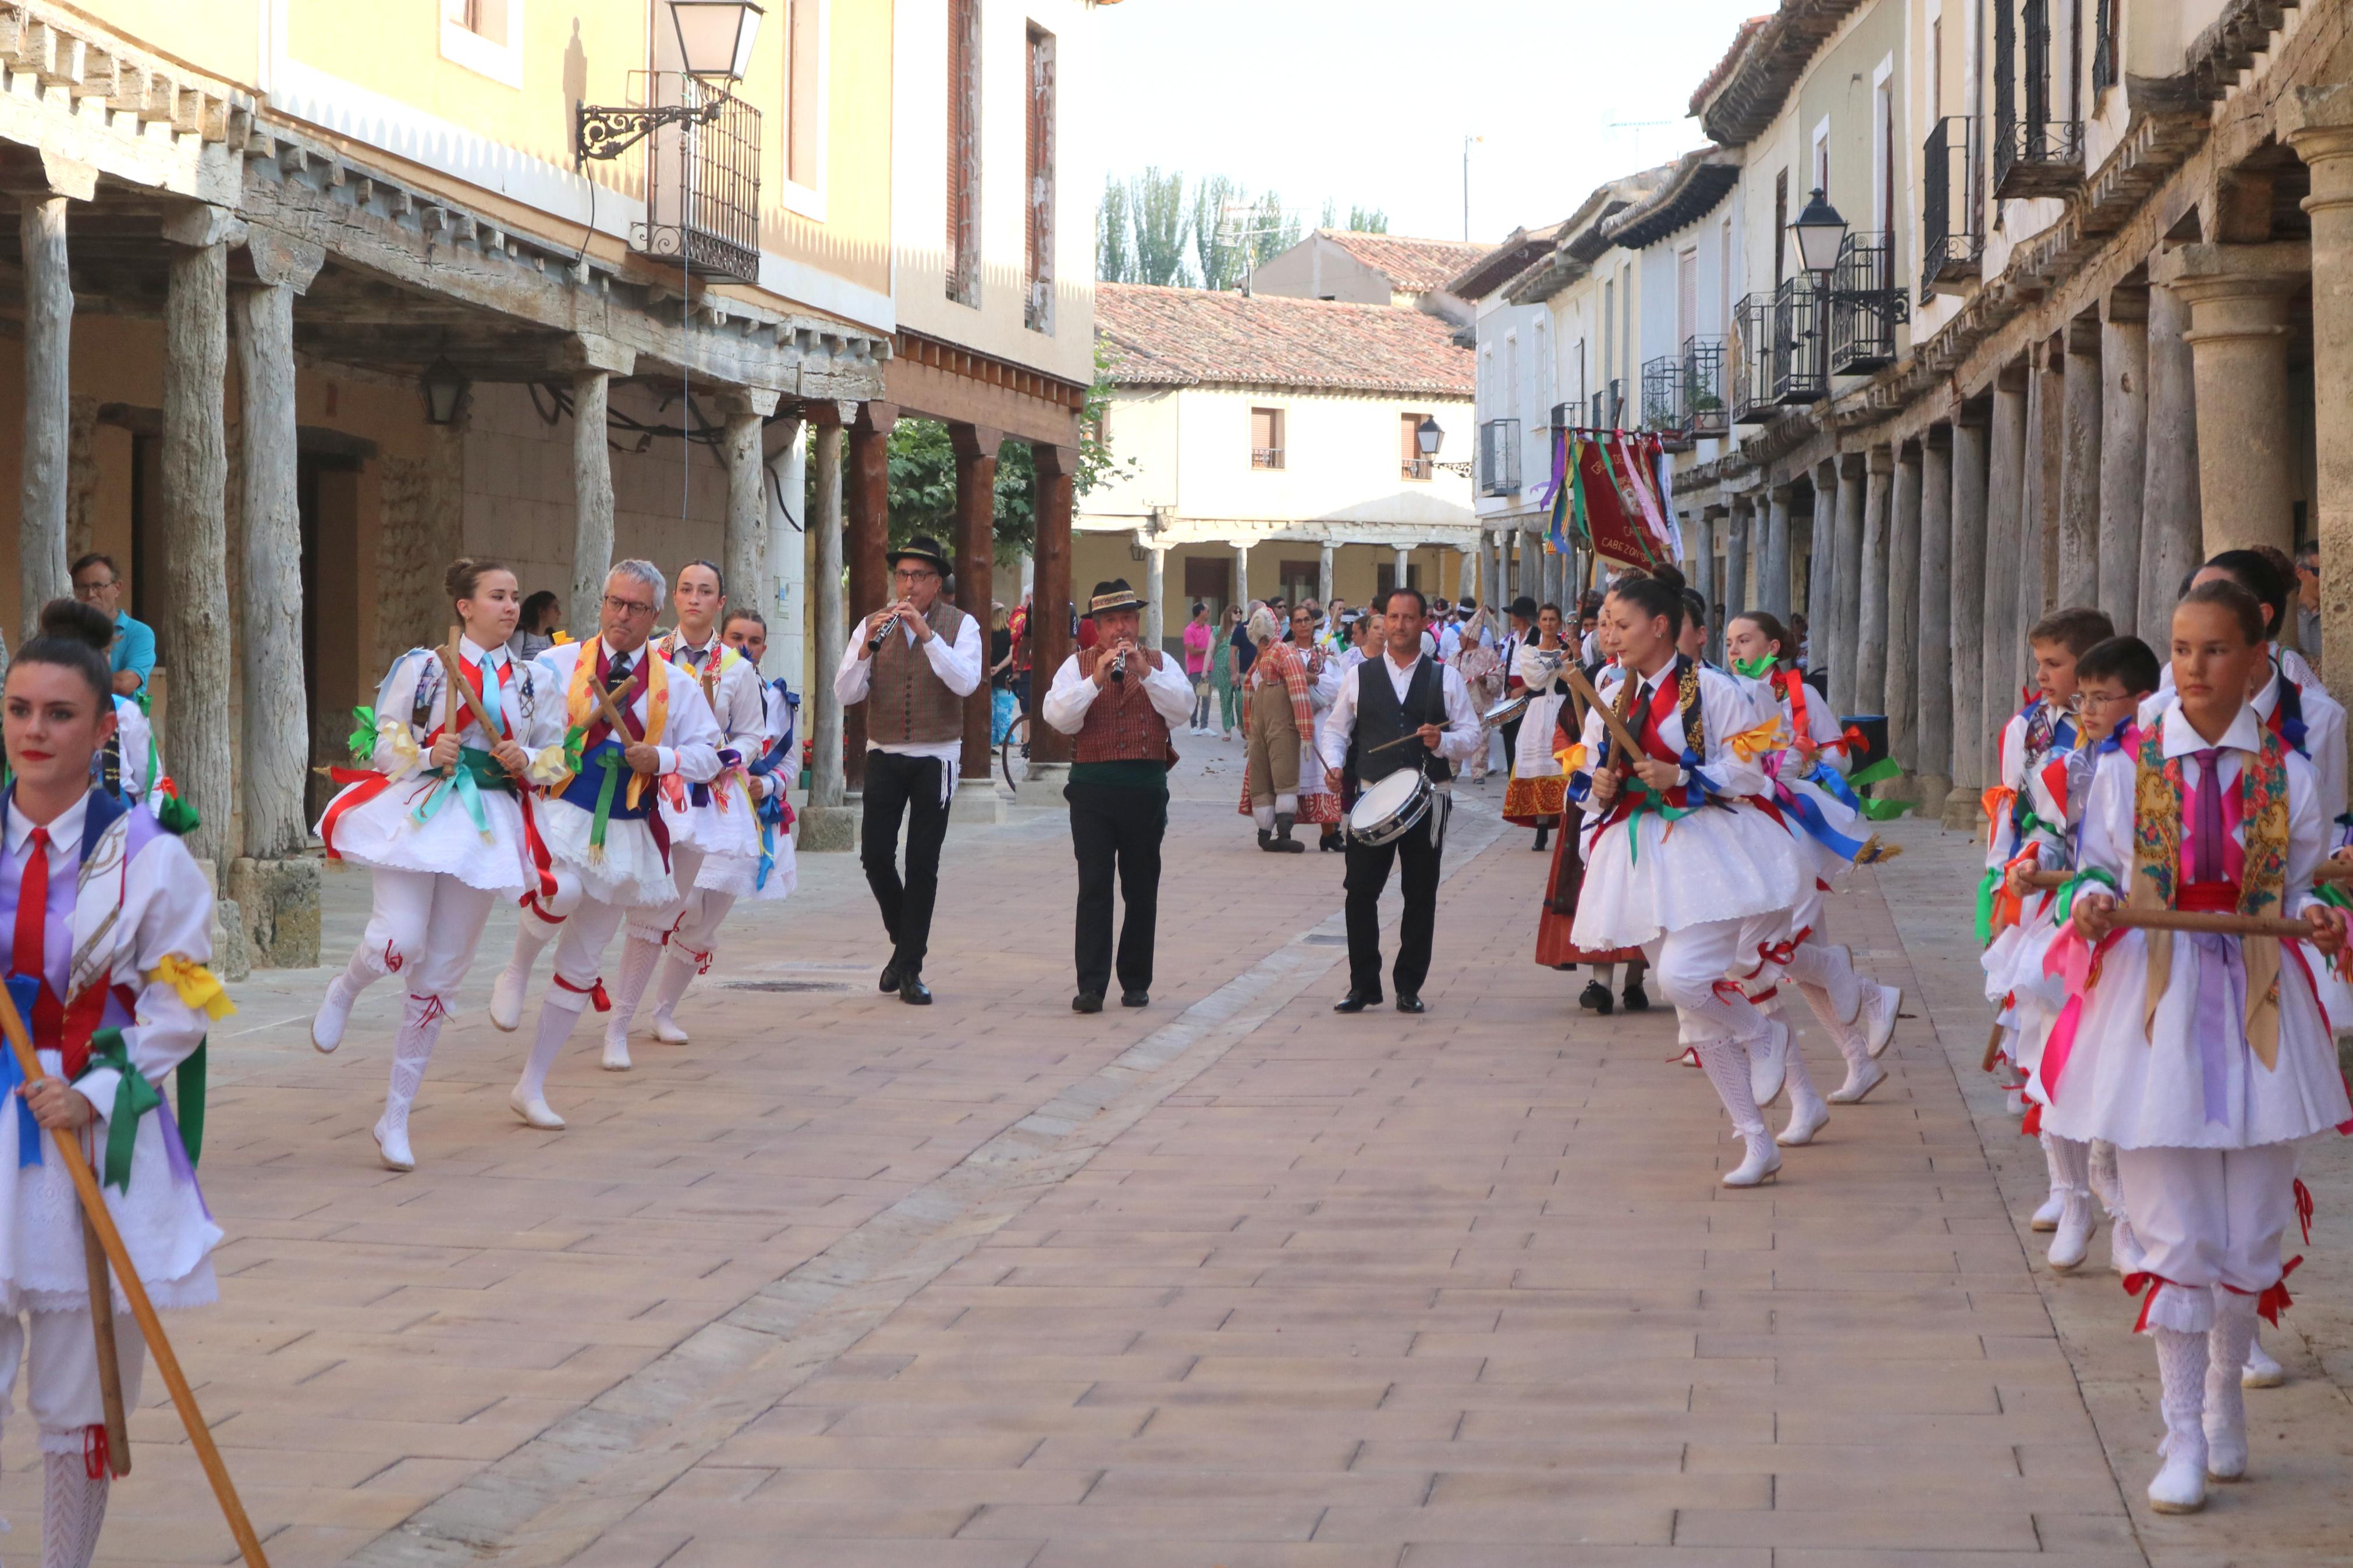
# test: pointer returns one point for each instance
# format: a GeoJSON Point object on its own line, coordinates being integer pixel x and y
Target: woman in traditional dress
{"type": "Point", "coordinates": [440, 814]}
{"type": "Point", "coordinates": [1533, 798]}
{"type": "Point", "coordinates": [2205, 1058]}
{"type": "Point", "coordinates": [1278, 719]}
{"type": "Point", "coordinates": [1556, 949]}
{"type": "Point", "coordinates": [109, 974]}
{"type": "Point", "coordinates": [1318, 801]}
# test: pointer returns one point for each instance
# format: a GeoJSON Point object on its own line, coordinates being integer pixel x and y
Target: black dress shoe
{"type": "Point", "coordinates": [1134, 999]}
{"type": "Point", "coordinates": [1408, 1002]}
{"type": "Point", "coordinates": [913, 991]}
{"type": "Point", "coordinates": [1637, 999]}
{"type": "Point", "coordinates": [1087, 1001]}
{"type": "Point", "coordinates": [1357, 1001]}
{"type": "Point", "coordinates": [891, 975]}
{"type": "Point", "coordinates": [1596, 998]}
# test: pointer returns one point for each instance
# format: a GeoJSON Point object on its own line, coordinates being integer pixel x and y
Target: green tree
{"type": "Point", "coordinates": [1216, 238]}
{"type": "Point", "coordinates": [1112, 261]}
{"type": "Point", "coordinates": [1367, 220]}
{"type": "Point", "coordinates": [1160, 217]}
{"type": "Point", "coordinates": [1274, 229]}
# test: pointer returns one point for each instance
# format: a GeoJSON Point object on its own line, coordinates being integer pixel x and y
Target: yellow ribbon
{"type": "Point", "coordinates": [1756, 742]}
{"type": "Point", "coordinates": [198, 987]}
{"type": "Point", "coordinates": [395, 733]}
{"type": "Point", "coordinates": [1572, 760]}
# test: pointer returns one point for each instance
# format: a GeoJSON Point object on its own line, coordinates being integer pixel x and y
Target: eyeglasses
{"type": "Point", "coordinates": [921, 574]}
{"type": "Point", "coordinates": [93, 590]}
{"type": "Point", "coordinates": [620, 606]}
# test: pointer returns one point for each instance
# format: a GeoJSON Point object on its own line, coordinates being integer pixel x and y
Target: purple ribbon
{"type": "Point", "coordinates": [2222, 1008]}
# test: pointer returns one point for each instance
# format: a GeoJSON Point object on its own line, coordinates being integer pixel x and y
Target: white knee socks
{"type": "Point", "coordinates": [73, 1511]}
{"type": "Point", "coordinates": [1264, 816]}
{"type": "Point", "coordinates": [557, 1014]}
{"type": "Point", "coordinates": [677, 972]}
{"type": "Point", "coordinates": [2226, 1404]}
{"type": "Point", "coordinates": [1726, 1065]}
{"type": "Point", "coordinates": [2180, 1485]}
{"type": "Point", "coordinates": [1850, 1039]}
{"type": "Point", "coordinates": [638, 957]}
{"type": "Point", "coordinates": [1814, 962]}
{"type": "Point", "coordinates": [412, 1048]}
{"type": "Point", "coordinates": [1286, 802]}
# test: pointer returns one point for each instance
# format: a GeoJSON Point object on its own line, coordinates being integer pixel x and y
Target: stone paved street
{"type": "Point", "coordinates": [1228, 1281]}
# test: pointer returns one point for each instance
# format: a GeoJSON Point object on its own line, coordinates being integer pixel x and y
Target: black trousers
{"type": "Point", "coordinates": [1416, 856]}
{"type": "Point", "coordinates": [1115, 830]}
{"type": "Point", "coordinates": [908, 786]}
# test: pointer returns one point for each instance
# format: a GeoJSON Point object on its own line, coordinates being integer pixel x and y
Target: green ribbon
{"type": "Point", "coordinates": [1987, 886]}
{"type": "Point", "coordinates": [610, 761]}
{"type": "Point", "coordinates": [1884, 810]}
{"type": "Point", "coordinates": [363, 741]}
{"type": "Point", "coordinates": [475, 772]}
{"type": "Point", "coordinates": [177, 816]}
{"type": "Point", "coordinates": [188, 1102]}
{"type": "Point", "coordinates": [1648, 802]}
{"type": "Point", "coordinates": [1757, 669]}
{"type": "Point", "coordinates": [1885, 768]}
{"type": "Point", "coordinates": [134, 1097]}
{"type": "Point", "coordinates": [574, 739]}
{"type": "Point", "coordinates": [2076, 883]}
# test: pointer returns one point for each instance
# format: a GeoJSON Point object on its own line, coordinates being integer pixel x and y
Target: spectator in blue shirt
{"type": "Point", "coordinates": [97, 583]}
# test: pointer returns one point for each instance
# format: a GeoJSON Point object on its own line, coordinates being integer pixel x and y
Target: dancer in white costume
{"type": "Point", "coordinates": [1808, 786]}
{"type": "Point", "coordinates": [1698, 898]}
{"type": "Point", "coordinates": [773, 874]}
{"type": "Point", "coordinates": [2204, 1058]}
{"type": "Point", "coordinates": [715, 828]}
{"type": "Point", "coordinates": [107, 967]}
{"type": "Point", "coordinates": [603, 825]}
{"type": "Point", "coordinates": [441, 816]}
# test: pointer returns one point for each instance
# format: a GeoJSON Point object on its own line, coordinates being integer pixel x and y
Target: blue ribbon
{"type": "Point", "coordinates": [24, 990]}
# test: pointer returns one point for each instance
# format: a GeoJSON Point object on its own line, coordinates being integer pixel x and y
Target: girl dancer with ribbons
{"type": "Point", "coordinates": [715, 828]}
{"type": "Point", "coordinates": [440, 812]}
{"type": "Point", "coordinates": [2198, 1046]}
{"type": "Point", "coordinates": [112, 921]}
{"type": "Point", "coordinates": [1680, 746]}
{"type": "Point", "coordinates": [1807, 786]}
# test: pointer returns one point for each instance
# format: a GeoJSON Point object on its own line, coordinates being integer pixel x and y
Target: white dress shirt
{"type": "Point", "coordinates": [958, 663]}
{"type": "Point", "coordinates": [1066, 701]}
{"type": "Point", "coordinates": [1461, 736]}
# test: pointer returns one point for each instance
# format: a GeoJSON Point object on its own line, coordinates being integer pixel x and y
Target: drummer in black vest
{"type": "Point", "coordinates": [1398, 709]}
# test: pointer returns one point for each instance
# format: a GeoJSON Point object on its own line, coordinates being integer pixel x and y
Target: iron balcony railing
{"type": "Point", "coordinates": [1266, 457]}
{"type": "Point", "coordinates": [703, 179]}
{"type": "Point", "coordinates": [2033, 155]}
{"type": "Point", "coordinates": [1866, 305]}
{"type": "Point", "coordinates": [1415, 469]}
{"type": "Point", "coordinates": [1952, 239]}
{"type": "Point", "coordinates": [1750, 351]}
{"type": "Point", "coordinates": [1499, 458]}
{"type": "Point", "coordinates": [1798, 345]}
{"type": "Point", "coordinates": [1704, 411]}
{"type": "Point", "coordinates": [1663, 399]}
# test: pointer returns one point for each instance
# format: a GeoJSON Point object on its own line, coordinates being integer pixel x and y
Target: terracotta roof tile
{"type": "Point", "coordinates": [1413, 266]}
{"type": "Point", "coordinates": [1181, 337]}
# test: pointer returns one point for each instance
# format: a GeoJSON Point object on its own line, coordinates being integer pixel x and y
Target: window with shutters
{"type": "Point", "coordinates": [1038, 308]}
{"type": "Point", "coordinates": [1780, 225]}
{"type": "Point", "coordinates": [484, 36]}
{"type": "Point", "coordinates": [964, 151]}
{"type": "Point", "coordinates": [1266, 438]}
{"type": "Point", "coordinates": [1411, 464]}
{"type": "Point", "coordinates": [1686, 295]}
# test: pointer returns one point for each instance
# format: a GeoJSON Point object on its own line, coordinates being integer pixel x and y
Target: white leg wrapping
{"type": "Point", "coordinates": [1264, 816]}
{"type": "Point", "coordinates": [2226, 1404]}
{"type": "Point", "coordinates": [557, 1014]}
{"type": "Point", "coordinates": [2181, 1486]}
{"type": "Point", "coordinates": [677, 972]}
{"type": "Point", "coordinates": [73, 1511]}
{"type": "Point", "coordinates": [639, 953]}
{"type": "Point", "coordinates": [1814, 962]}
{"type": "Point", "coordinates": [1725, 1063]}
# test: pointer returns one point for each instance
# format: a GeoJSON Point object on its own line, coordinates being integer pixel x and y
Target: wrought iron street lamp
{"type": "Point", "coordinates": [1820, 232]}
{"type": "Point", "coordinates": [714, 36]}
{"type": "Point", "coordinates": [1427, 435]}
{"type": "Point", "coordinates": [714, 41]}
{"type": "Point", "coordinates": [443, 386]}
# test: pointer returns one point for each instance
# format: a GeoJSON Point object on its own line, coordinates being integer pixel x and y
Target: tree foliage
{"type": "Point", "coordinates": [1112, 254]}
{"type": "Point", "coordinates": [1151, 229]}
{"type": "Point", "coordinates": [1161, 216]}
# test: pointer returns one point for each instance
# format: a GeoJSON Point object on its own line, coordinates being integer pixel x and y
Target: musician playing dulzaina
{"type": "Point", "coordinates": [1120, 700]}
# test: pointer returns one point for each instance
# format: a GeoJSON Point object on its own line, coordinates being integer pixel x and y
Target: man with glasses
{"type": "Point", "coordinates": [97, 582]}
{"type": "Point", "coordinates": [913, 663]}
{"type": "Point", "coordinates": [608, 849]}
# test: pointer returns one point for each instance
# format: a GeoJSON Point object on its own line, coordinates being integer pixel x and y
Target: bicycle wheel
{"type": "Point", "coordinates": [1014, 750]}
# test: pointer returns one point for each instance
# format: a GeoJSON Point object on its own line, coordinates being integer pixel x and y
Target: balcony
{"type": "Point", "coordinates": [1866, 306]}
{"type": "Point", "coordinates": [702, 180]}
{"type": "Point", "coordinates": [2038, 159]}
{"type": "Point", "coordinates": [1950, 251]}
{"type": "Point", "coordinates": [1663, 401]}
{"type": "Point", "coordinates": [1704, 411]}
{"type": "Point", "coordinates": [1416, 468]}
{"type": "Point", "coordinates": [1499, 458]}
{"type": "Point", "coordinates": [1751, 352]}
{"type": "Point", "coordinates": [1799, 373]}
{"type": "Point", "coordinates": [1266, 457]}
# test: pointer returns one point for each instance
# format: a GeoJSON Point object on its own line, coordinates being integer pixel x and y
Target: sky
{"type": "Point", "coordinates": [1367, 101]}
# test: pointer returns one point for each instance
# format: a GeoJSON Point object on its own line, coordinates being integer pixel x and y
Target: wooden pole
{"type": "Point", "coordinates": [2214, 924]}
{"type": "Point", "coordinates": [1627, 742]}
{"type": "Point", "coordinates": [452, 667]}
{"type": "Point", "coordinates": [110, 1361]}
{"type": "Point", "coordinates": [2328, 871]}
{"type": "Point", "coordinates": [100, 1221]}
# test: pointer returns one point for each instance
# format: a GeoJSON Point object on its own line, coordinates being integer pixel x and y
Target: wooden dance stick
{"type": "Point", "coordinates": [2216, 923]}
{"type": "Point", "coordinates": [1993, 1046]}
{"type": "Point", "coordinates": [109, 1365]}
{"type": "Point", "coordinates": [102, 1223]}
{"type": "Point", "coordinates": [2328, 871]}
{"type": "Point", "coordinates": [1629, 746]}
{"type": "Point", "coordinates": [455, 669]}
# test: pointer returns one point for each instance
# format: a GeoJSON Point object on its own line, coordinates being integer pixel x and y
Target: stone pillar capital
{"type": "Point", "coordinates": [585, 351]}
{"type": "Point", "coordinates": [200, 226]}
{"type": "Point", "coordinates": [2206, 274]}
{"type": "Point", "coordinates": [1936, 438]}
{"type": "Point", "coordinates": [2084, 335]}
{"type": "Point", "coordinates": [2126, 304]}
{"type": "Point", "coordinates": [1880, 460]}
{"type": "Point", "coordinates": [278, 259]}
{"type": "Point", "coordinates": [2317, 122]}
{"type": "Point", "coordinates": [749, 402]}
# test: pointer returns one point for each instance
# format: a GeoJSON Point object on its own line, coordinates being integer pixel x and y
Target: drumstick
{"type": "Point", "coordinates": [1627, 743]}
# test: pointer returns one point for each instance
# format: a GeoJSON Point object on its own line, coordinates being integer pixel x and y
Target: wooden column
{"type": "Point", "coordinates": [744, 547]}
{"type": "Point", "coordinates": [2239, 299]}
{"type": "Point", "coordinates": [867, 495]}
{"type": "Point", "coordinates": [2123, 449]}
{"type": "Point", "coordinates": [2006, 542]}
{"type": "Point", "coordinates": [1771, 589]}
{"type": "Point", "coordinates": [1902, 678]}
{"type": "Point", "coordinates": [592, 363]}
{"type": "Point", "coordinates": [195, 483]}
{"type": "Point", "coordinates": [1846, 584]}
{"type": "Point", "coordinates": [49, 382]}
{"type": "Point", "coordinates": [2172, 514]}
{"type": "Point", "coordinates": [2079, 468]}
{"type": "Point", "coordinates": [277, 710]}
{"type": "Point", "coordinates": [1869, 692]}
{"type": "Point", "coordinates": [1932, 647]}
{"type": "Point", "coordinates": [1049, 599]}
{"type": "Point", "coordinates": [975, 557]}
{"type": "Point", "coordinates": [825, 607]}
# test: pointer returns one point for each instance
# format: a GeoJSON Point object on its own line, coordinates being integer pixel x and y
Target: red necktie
{"type": "Point", "coordinates": [32, 921]}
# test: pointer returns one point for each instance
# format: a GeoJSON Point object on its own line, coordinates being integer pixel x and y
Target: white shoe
{"type": "Point", "coordinates": [1763, 1163]}
{"type": "Point", "coordinates": [2047, 1217]}
{"type": "Point", "coordinates": [2124, 1248]}
{"type": "Point", "coordinates": [327, 1028]}
{"type": "Point", "coordinates": [1881, 1005]}
{"type": "Point", "coordinates": [2260, 1371]}
{"type": "Point", "coordinates": [2073, 1242]}
{"type": "Point", "coordinates": [536, 1113]}
{"type": "Point", "coordinates": [667, 1031]}
{"type": "Point", "coordinates": [2014, 1102]}
{"type": "Point", "coordinates": [2181, 1486]}
{"type": "Point", "coordinates": [2226, 1454]}
{"type": "Point", "coordinates": [392, 1144]}
{"type": "Point", "coordinates": [616, 1053]}
{"type": "Point", "coordinates": [1768, 1062]}
{"type": "Point", "coordinates": [1860, 1082]}
{"type": "Point", "coordinates": [507, 992]}
{"type": "Point", "coordinates": [1804, 1123]}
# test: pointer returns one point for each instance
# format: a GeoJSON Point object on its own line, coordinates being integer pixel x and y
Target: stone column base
{"type": "Point", "coordinates": [975, 801]}
{"type": "Point", "coordinates": [1934, 789]}
{"type": "Point", "coordinates": [1043, 786]}
{"type": "Point", "coordinates": [278, 900]}
{"type": "Point", "coordinates": [826, 829]}
{"type": "Point", "coordinates": [1962, 810]}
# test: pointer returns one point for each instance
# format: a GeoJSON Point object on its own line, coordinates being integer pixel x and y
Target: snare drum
{"type": "Point", "coordinates": [1509, 709]}
{"type": "Point", "coordinates": [1388, 808]}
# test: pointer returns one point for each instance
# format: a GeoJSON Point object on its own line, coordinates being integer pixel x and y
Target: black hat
{"type": "Point", "coordinates": [1524, 607]}
{"type": "Point", "coordinates": [921, 547]}
{"type": "Point", "coordinates": [1113, 595]}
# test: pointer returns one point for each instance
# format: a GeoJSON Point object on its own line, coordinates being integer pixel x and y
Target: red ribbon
{"type": "Point", "coordinates": [2276, 1298]}
{"type": "Point", "coordinates": [2134, 1286]}
{"type": "Point", "coordinates": [2304, 1209]}
{"type": "Point", "coordinates": [593, 991]}
{"type": "Point", "coordinates": [370, 784]}
{"type": "Point", "coordinates": [2031, 1124]}
{"type": "Point", "coordinates": [97, 1458]}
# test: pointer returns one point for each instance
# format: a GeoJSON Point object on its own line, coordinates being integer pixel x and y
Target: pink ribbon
{"type": "Point", "coordinates": [2070, 960]}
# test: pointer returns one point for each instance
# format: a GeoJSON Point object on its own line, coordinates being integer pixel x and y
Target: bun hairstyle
{"type": "Point", "coordinates": [74, 635]}
{"type": "Point", "coordinates": [465, 574]}
{"type": "Point", "coordinates": [1654, 597]}
{"type": "Point", "coordinates": [1673, 576]}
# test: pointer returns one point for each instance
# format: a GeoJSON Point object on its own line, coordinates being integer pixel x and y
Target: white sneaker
{"type": "Point", "coordinates": [1768, 1062]}
{"type": "Point", "coordinates": [2047, 1217]}
{"type": "Point", "coordinates": [1804, 1123]}
{"type": "Point", "coordinates": [2073, 1242]}
{"type": "Point", "coordinates": [392, 1144]}
{"type": "Point", "coordinates": [616, 1053]}
{"type": "Point", "coordinates": [667, 1031]}
{"type": "Point", "coordinates": [536, 1113]}
{"type": "Point", "coordinates": [1880, 1005]}
{"type": "Point", "coordinates": [507, 992]}
{"type": "Point", "coordinates": [327, 1028]}
{"type": "Point", "coordinates": [1860, 1081]}
{"type": "Point", "coordinates": [1763, 1163]}
{"type": "Point", "coordinates": [2181, 1486]}
{"type": "Point", "coordinates": [2260, 1371]}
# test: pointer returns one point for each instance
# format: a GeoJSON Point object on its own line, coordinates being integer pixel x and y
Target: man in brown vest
{"type": "Point", "coordinates": [1119, 700]}
{"type": "Point", "coordinates": [913, 663]}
